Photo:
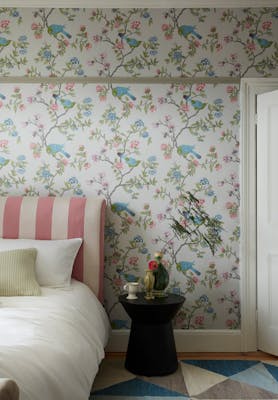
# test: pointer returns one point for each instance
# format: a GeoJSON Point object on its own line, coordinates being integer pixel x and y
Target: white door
{"type": "Point", "coordinates": [267, 221]}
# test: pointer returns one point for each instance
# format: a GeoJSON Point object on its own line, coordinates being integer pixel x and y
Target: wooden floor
{"type": "Point", "coordinates": [256, 355]}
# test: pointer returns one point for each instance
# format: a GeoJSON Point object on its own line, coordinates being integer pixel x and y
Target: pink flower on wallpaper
{"type": "Point", "coordinates": [185, 107]}
{"type": "Point", "coordinates": [168, 36]}
{"type": "Point", "coordinates": [119, 165]}
{"type": "Point", "coordinates": [218, 167]}
{"type": "Point", "coordinates": [134, 144]}
{"type": "Point", "coordinates": [97, 38]}
{"type": "Point", "coordinates": [118, 282]}
{"type": "Point", "coordinates": [199, 319]}
{"type": "Point", "coordinates": [4, 143]}
{"type": "Point", "coordinates": [54, 106]}
{"type": "Point", "coordinates": [4, 23]}
{"type": "Point", "coordinates": [197, 43]}
{"type": "Point", "coordinates": [152, 224]}
{"type": "Point", "coordinates": [70, 86]}
{"type": "Point", "coordinates": [135, 24]}
{"type": "Point", "coordinates": [200, 87]}
{"type": "Point", "coordinates": [129, 220]}
{"type": "Point", "coordinates": [250, 45]}
{"type": "Point", "coordinates": [119, 45]}
{"type": "Point", "coordinates": [165, 27]}
{"type": "Point", "coordinates": [266, 25]}
{"type": "Point", "coordinates": [160, 217]}
{"type": "Point", "coordinates": [133, 260]}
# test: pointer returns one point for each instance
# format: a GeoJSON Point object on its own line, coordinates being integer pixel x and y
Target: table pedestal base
{"type": "Point", "coordinates": [151, 349]}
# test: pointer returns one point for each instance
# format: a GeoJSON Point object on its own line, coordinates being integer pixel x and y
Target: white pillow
{"type": "Point", "coordinates": [54, 261]}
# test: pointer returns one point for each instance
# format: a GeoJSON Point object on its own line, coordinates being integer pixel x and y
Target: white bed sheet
{"type": "Point", "coordinates": [51, 345]}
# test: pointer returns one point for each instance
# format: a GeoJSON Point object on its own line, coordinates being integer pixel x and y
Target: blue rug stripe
{"type": "Point", "coordinates": [272, 369]}
{"type": "Point", "coordinates": [104, 397]}
{"type": "Point", "coordinates": [223, 367]}
{"type": "Point", "coordinates": [139, 388]}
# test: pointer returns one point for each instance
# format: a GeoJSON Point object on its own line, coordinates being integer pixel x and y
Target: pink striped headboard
{"type": "Point", "coordinates": [61, 218]}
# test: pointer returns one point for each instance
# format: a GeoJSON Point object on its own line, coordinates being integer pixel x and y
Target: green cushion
{"type": "Point", "coordinates": [17, 273]}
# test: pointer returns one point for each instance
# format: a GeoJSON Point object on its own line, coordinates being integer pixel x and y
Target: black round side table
{"type": "Point", "coordinates": [151, 348]}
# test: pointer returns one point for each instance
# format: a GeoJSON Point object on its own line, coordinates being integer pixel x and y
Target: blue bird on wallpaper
{"type": "Point", "coordinates": [2, 96]}
{"type": "Point", "coordinates": [120, 91]}
{"type": "Point", "coordinates": [55, 148]}
{"type": "Point", "coordinates": [3, 161]}
{"type": "Point", "coordinates": [55, 29]}
{"type": "Point", "coordinates": [119, 207]}
{"type": "Point", "coordinates": [263, 43]}
{"type": "Point", "coordinates": [132, 42]}
{"type": "Point", "coordinates": [184, 266]}
{"type": "Point", "coordinates": [131, 162]}
{"type": "Point", "coordinates": [186, 30]}
{"type": "Point", "coordinates": [66, 103]}
{"type": "Point", "coordinates": [196, 104]}
{"type": "Point", "coordinates": [4, 42]}
{"type": "Point", "coordinates": [127, 276]}
{"type": "Point", "coordinates": [185, 149]}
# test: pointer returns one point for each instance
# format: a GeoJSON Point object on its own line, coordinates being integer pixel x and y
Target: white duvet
{"type": "Point", "coordinates": [51, 345]}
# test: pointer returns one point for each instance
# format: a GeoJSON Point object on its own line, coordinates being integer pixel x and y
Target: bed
{"type": "Point", "coordinates": [51, 342]}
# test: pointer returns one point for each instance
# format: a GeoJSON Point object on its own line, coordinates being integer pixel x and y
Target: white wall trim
{"type": "Point", "coordinates": [187, 340]}
{"type": "Point", "coordinates": [250, 88]}
{"type": "Point", "coordinates": [138, 3]}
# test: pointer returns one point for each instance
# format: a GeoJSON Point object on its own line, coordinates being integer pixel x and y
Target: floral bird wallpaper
{"type": "Point", "coordinates": [140, 145]}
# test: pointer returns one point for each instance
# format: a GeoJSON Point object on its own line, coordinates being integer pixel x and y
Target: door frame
{"type": "Point", "coordinates": [249, 89]}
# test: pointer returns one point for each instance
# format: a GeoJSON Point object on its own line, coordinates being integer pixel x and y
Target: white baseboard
{"type": "Point", "coordinates": [188, 340]}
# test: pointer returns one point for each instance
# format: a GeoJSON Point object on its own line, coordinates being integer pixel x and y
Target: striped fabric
{"type": "Point", "coordinates": [48, 218]}
{"type": "Point", "coordinates": [17, 273]}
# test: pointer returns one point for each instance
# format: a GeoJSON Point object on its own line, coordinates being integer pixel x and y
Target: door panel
{"type": "Point", "coordinates": [267, 221]}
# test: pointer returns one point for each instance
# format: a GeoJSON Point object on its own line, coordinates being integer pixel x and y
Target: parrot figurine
{"type": "Point", "coordinates": [54, 149]}
{"type": "Point", "coordinates": [55, 29]}
{"type": "Point", "coordinates": [120, 207]}
{"type": "Point", "coordinates": [263, 43]}
{"type": "Point", "coordinates": [3, 162]}
{"type": "Point", "coordinates": [120, 91]}
{"type": "Point", "coordinates": [186, 30]}
{"type": "Point", "coordinates": [186, 149]}
{"type": "Point", "coordinates": [4, 42]}
{"type": "Point", "coordinates": [184, 266]}
{"type": "Point", "coordinates": [131, 162]}
{"type": "Point", "coordinates": [196, 104]}
{"type": "Point", "coordinates": [133, 43]}
{"type": "Point", "coordinates": [66, 103]}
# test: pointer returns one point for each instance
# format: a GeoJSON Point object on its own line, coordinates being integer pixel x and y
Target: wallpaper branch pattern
{"type": "Point", "coordinates": [141, 146]}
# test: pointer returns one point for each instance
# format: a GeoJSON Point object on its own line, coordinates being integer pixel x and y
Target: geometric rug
{"type": "Point", "coordinates": [194, 379]}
